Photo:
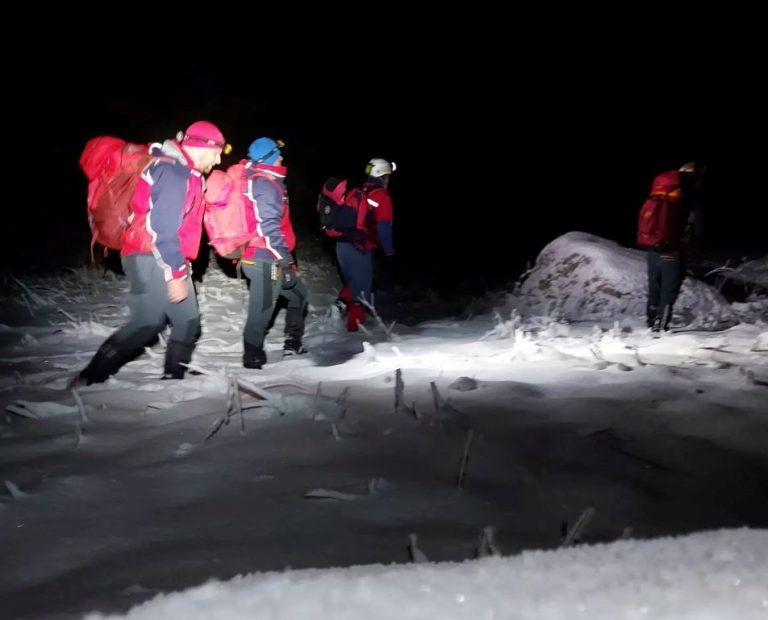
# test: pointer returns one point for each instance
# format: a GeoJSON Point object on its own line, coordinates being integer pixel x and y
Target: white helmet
{"type": "Point", "coordinates": [378, 167]}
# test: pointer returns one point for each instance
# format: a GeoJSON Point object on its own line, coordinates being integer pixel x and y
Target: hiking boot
{"type": "Point", "coordinates": [253, 362]}
{"type": "Point", "coordinates": [177, 356]}
{"type": "Point", "coordinates": [253, 357]}
{"type": "Point", "coordinates": [293, 347]}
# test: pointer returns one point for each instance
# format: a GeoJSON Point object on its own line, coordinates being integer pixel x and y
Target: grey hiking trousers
{"type": "Point", "coordinates": [150, 313]}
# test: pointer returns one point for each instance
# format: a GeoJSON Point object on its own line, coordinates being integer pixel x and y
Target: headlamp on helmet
{"type": "Point", "coordinates": [378, 167]}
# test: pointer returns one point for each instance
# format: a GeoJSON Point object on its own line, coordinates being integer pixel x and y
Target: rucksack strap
{"type": "Point", "coordinates": [259, 174]}
{"type": "Point", "coordinates": [156, 159]}
{"type": "Point", "coordinates": [362, 209]}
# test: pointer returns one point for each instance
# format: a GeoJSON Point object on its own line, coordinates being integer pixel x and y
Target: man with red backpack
{"type": "Point", "coordinates": [267, 259]}
{"type": "Point", "coordinates": [665, 227]}
{"type": "Point", "coordinates": [161, 239]}
{"type": "Point", "coordinates": [355, 258]}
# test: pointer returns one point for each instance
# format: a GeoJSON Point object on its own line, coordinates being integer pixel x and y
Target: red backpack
{"type": "Point", "coordinates": [112, 167]}
{"type": "Point", "coordinates": [344, 214]}
{"type": "Point", "coordinates": [660, 221]}
{"type": "Point", "coordinates": [229, 223]}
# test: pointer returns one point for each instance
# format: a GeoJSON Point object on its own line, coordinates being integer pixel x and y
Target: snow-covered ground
{"type": "Point", "coordinates": [539, 420]}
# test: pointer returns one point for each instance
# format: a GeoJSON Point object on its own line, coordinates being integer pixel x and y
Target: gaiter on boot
{"type": "Point", "coordinates": [356, 313]}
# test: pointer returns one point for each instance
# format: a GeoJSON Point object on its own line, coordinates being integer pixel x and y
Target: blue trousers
{"type": "Point", "coordinates": [665, 277]}
{"type": "Point", "coordinates": [356, 269]}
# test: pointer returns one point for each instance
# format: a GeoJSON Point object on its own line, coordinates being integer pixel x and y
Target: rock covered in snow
{"type": "Point", "coordinates": [463, 384]}
{"type": "Point", "coordinates": [582, 276]}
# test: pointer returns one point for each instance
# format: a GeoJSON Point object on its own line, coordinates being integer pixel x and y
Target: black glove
{"type": "Point", "coordinates": [287, 273]}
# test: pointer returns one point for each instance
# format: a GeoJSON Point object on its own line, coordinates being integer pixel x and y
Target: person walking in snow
{"type": "Point", "coordinates": [268, 260]}
{"type": "Point", "coordinates": [665, 231]}
{"type": "Point", "coordinates": [356, 259]}
{"type": "Point", "coordinates": [161, 240]}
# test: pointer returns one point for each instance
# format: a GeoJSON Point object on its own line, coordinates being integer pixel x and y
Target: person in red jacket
{"type": "Point", "coordinates": [161, 240]}
{"type": "Point", "coordinates": [356, 259]}
{"type": "Point", "coordinates": [268, 260]}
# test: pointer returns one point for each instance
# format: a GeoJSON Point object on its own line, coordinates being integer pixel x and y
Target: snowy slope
{"type": "Point", "coordinates": [139, 486]}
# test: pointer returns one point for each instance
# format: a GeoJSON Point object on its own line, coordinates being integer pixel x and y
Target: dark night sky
{"type": "Point", "coordinates": [501, 145]}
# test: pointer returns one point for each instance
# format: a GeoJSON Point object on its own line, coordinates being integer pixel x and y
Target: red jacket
{"type": "Point", "coordinates": [380, 232]}
{"type": "Point", "coordinates": [167, 211]}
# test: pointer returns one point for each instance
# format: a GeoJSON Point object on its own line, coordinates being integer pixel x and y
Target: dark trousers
{"type": "Point", "coordinates": [263, 290]}
{"type": "Point", "coordinates": [665, 277]}
{"type": "Point", "coordinates": [295, 301]}
{"type": "Point", "coordinates": [150, 312]}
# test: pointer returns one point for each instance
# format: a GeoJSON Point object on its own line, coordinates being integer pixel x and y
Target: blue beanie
{"type": "Point", "coordinates": [264, 150]}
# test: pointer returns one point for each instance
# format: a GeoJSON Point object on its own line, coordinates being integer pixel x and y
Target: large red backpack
{"type": "Point", "coordinates": [229, 222]}
{"type": "Point", "coordinates": [112, 167]}
{"type": "Point", "coordinates": [660, 220]}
